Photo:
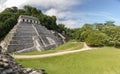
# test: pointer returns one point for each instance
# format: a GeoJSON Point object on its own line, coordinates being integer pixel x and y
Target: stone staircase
{"type": "Point", "coordinates": [44, 33]}
{"type": "Point", "coordinates": [22, 39]}
{"type": "Point", "coordinates": [47, 33]}
{"type": "Point", "coordinates": [26, 36]}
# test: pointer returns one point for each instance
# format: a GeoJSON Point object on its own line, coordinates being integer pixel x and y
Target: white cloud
{"type": "Point", "coordinates": [51, 12]}
{"type": "Point", "coordinates": [59, 8]}
{"type": "Point", "coordinates": [70, 23]}
{"type": "Point", "coordinates": [9, 3]}
{"type": "Point", "coordinates": [18, 3]}
{"type": "Point", "coordinates": [60, 14]}
{"type": "Point", "coordinates": [58, 4]}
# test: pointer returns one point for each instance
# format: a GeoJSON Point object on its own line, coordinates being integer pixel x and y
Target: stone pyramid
{"type": "Point", "coordinates": [29, 35]}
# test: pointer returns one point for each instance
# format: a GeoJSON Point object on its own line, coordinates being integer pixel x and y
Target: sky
{"type": "Point", "coordinates": [73, 13]}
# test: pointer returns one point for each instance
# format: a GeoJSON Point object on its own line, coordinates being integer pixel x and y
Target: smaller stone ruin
{"type": "Point", "coordinates": [9, 66]}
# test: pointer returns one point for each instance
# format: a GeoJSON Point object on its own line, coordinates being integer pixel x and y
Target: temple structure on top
{"type": "Point", "coordinates": [28, 19]}
{"type": "Point", "coordinates": [30, 35]}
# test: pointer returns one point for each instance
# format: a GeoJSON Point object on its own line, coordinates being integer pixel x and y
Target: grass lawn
{"type": "Point", "coordinates": [71, 45]}
{"type": "Point", "coordinates": [98, 61]}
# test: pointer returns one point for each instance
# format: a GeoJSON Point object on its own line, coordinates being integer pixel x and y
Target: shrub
{"type": "Point", "coordinates": [96, 39]}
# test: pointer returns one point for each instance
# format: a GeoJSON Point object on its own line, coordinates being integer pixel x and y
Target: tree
{"type": "Point", "coordinates": [28, 9]}
{"type": "Point", "coordinates": [61, 28]}
{"type": "Point", "coordinates": [109, 23]}
{"type": "Point", "coordinates": [15, 9]}
{"type": "Point", "coordinates": [98, 26]}
{"type": "Point", "coordinates": [114, 33]}
{"type": "Point", "coordinates": [96, 38]}
{"type": "Point", "coordinates": [88, 27]}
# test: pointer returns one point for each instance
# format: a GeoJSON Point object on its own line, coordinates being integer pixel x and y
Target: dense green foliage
{"type": "Point", "coordinates": [103, 61]}
{"type": "Point", "coordinates": [8, 18]}
{"type": "Point", "coordinates": [99, 34]}
{"type": "Point", "coordinates": [96, 38]}
{"type": "Point", "coordinates": [6, 23]}
{"type": "Point", "coordinates": [114, 35]}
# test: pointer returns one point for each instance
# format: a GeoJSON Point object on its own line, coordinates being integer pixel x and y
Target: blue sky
{"type": "Point", "coordinates": [99, 11]}
{"type": "Point", "coordinates": [73, 13]}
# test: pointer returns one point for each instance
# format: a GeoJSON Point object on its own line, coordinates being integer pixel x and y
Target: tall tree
{"type": "Point", "coordinates": [109, 23]}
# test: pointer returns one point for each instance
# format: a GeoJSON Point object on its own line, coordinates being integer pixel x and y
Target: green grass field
{"type": "Point", "coordinates": [98, 61]}
{"type": "Point", "coordinates": [71, 45]}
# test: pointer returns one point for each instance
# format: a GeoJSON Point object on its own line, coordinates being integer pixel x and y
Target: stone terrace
{"type": "Point", "coordinates": [29, 35]}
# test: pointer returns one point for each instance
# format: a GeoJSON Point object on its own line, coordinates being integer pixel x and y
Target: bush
{"type": "Point", "coordinates": [96, 39]}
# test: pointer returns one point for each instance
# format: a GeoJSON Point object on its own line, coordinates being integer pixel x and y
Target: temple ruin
{"type": "Point", "coordinates": [30, 35]}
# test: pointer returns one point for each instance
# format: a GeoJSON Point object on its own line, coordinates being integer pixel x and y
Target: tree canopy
{"type": "Point", "coordinates": [99, 34]}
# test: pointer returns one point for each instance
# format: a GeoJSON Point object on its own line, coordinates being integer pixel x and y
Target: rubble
{"type": "Point", "coordinates": [9, 66]}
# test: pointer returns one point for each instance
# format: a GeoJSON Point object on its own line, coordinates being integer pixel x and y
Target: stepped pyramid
{"type": "Point", "coordinates": [29, 35]}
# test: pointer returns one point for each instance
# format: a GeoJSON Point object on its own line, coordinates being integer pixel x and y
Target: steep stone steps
{"type": "Point", "coordinates": [16, 47]}
{"type": "Point", "coordinates": [43, 32]}
{"type": "Point", "coordinates": [21, 38]}
{"type": "Point", "coordinates": [21, 41]}
{"type": "Point", "coordinates": [24, 34]}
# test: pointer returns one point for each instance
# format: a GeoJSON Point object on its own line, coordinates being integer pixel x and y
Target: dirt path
{"type": "Point", "coordinates": [52, 54]}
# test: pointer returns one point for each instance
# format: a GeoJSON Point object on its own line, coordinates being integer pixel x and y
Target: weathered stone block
{"type": "Point", "coordinates": [12, 67]}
